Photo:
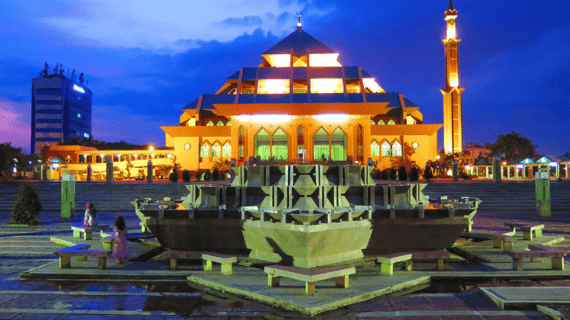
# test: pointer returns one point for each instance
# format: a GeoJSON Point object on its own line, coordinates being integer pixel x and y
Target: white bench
{"type": "Point", "coordinates": [223, 259]}
{"type": "Point", "coordinates": [87, 231]}
{"type": "Point", "coordinates": [387, 262]}
{"type": "Point", "coordinates": [340, 273]}
{"type": "Point", "coordinates": [81, 250]}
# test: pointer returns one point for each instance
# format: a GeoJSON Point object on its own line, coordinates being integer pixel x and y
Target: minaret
{"type": "Point", "coordinates": [452, 117]}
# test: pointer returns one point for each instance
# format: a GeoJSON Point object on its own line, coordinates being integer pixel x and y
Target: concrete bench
{"type": "Point", "coordinates": [514, 225]}
{"type": "Point", "coordinates": [557, 257]}
{"type": "Point", "coordinates": [81, 250]}
{"type": "Point", "coordinates": [107, 240]}
{"type": "Point", "coordinates": [503, 240]}
{"type": "Point", "coordinates": [175, 255]}
{"type": "Point", "coordinates": [387, 262]}
{"type": "Point", "coordinates": [529, 229]}
{"type": "Point", "coordinates": [143, 227]}
{"type": "Point", "coordinates": [340, 273]}
{"type": "Point", "coordinates": [439, 255]}
{"type": "Point", "coordinates": [87, 231]}
{"type": "Point", "coordinates": [223, 259]}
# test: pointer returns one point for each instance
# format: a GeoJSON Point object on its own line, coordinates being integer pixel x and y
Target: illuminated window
{"type": "Point", "coordinates": [229, 123]}
{"type": "Point", "coordinates": [386, 149]}
{"type": "Point", "coordinates": [241, 143]}
{"type": "Point", "coordinates": [227, 150]}
{"type": "Point", "coordinates": [381, 122]}
{"type": "Point", "coordinates": [372, 122]}
{"type": "Point", "coordinates": [410, 120]}
{"type": "Point", "coordinates": [278, 60]}
{"type": "Point", "coordinates": [204, 150]}
{"type": "Point", "coordinates": [321, 145]}
{"type": "Point", "coordinates": [338, 145]}
{"type": "Point", "coordinates": [216, 150]}
{"type": "Point", "coordinates": [210, 124]}
{"type": "Point", "coordinates": [273, 86]}
{"type": "Point", "coordinates": [262, 145]}
{"type": "Point", "coordinates": [374, 149]}
{"type": "Point", "coordinates": [397, 149]}
{"type": "Point", "coordinates": [326, 86]}
{"type": "Point", "coordinates": [391, 122]}
{"type": "Point", "coordinates": [370, 85]}
{"type": "Point", "coordinates": [220, 123]}
{"type": "Point", "coordinates": [279, 145]}
{"type": "Point", "coordinates": [324, 60]}
{"type": "Point", "coordinates": [300, 61]}
{"type": "Point", "coordinates": [415, 145]}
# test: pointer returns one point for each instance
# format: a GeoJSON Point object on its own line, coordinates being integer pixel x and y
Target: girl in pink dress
{"type": "Point", "coordinates": [121, 250]}
{"type": "Point", "coordinates": [90, 219]}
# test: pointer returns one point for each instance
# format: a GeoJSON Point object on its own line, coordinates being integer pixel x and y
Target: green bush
{"type": "Point", "coordinates": [207, 175]}
{"type": "Point", "coordinates": [393, 174]}
{"type": "Point", "coordinates": [402, 174]}
{"type": "Point", "coordinates": [27, 206]}
{"type": "Point", "coordinates": [385, 174]}
{"type": "Point", "coordinates": [186, 176]}
{"type": "Point", "coordinates": [216, 175]}
{"type": "Point", "coordinates": [414, 174]}
{"type": "Point", "coordinates": [428, 173]}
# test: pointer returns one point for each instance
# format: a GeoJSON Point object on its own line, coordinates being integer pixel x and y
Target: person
{"type": "Point", "coordinates": [90, 219]}
{"type": "Point", "coordinates": [121, 249]}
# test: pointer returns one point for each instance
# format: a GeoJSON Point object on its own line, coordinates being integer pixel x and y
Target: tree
{"type": "Point", "coordinates": [216, 175]}
{"type": "Point", "coordinates": [428, 174]}
{"type": "Point", "coordinates": [414, 174]}
{"type": "Point", "coordinates": [7, 156]}
{"type": "Point", "coordinates": [186, 176]}
{"type": "Point", "coordinates": [393, 174]}
{"type": "Point", "coordinates": [471, 145]}
{"type": "Point", "coordinates": [27, 205]}
{"type": "Point", "coordinates": [513, 146]}
{"type": "Point", "coordinates": [406, 161]}
{"type": "Point", "coordinates": [207, 175]}
{"type": "Point", "coordinates": [402, 175]}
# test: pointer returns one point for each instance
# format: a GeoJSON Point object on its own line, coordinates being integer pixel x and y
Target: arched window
{"type": "Point", "coordinates": [300, 138]}
{"type": "Point", "coordinates": [374, 149]}
{"type": "Point", "coordinates": [321, 145]}
{"type": "Point", "coordinates": [338, 145]}
{"type": "Point", "coordinates": [241, 143]}
{"type": "Point", "coordinates": [220, 123]}
{"type": "Point", "coordinates": [262, 145]}
{"type": "Point", "coordinates": [386, 149]}
{"type": "Point", "coordinates": [372, 121]}
{"type": "Point", "coordinates": [381, 122]}
{"type": "Point", "coordinates": [391, 122]}
{"type": "Point", "coordinates": [397, 149]}
{"type": "Point", "coordinates": [227, 150]}
{"type": "Point", "coordinates": [229, 123]}
{"type": "Point", "coordinates": [204, 150]}
{"type": "Point", "coordinates": [216, 150]}
{"type": "Point", "coordinates": [279, 145]}
{"type": "Point", "coordinates": [210, 123]}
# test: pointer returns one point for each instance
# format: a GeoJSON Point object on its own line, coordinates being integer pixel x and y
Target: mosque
{"type": "Point", "coordinates": [301, 104]}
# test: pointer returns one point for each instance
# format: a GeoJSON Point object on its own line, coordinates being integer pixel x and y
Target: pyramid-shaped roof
{"type": "Point", "coordinates": [299, 41]}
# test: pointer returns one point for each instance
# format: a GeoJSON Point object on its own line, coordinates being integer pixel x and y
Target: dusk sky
{"type": "Point", "coordinates": [145, 60]}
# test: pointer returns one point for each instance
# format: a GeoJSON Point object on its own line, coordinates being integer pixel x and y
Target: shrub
{"type": "Point", "coordinates": [27, 206]}
{"type": "Point", "coordinates": [173, 177]}
{"type": "Point", "coordinates": [427, 173]}
{"type": "Point", "coordinates": [385, 174]}
{"type": "Point", "coordinates": [186, 176]}
{"type": "Point", "coordinates": [216, 175]}
{"type": "Point", "coordinates": [376, 175]}
{"type": "Point", "coordinates": [402, 174]}
{"type": "Point", "coordinates": [414, 174]}
{"type": "Point", "coordinates": [207, 175]}
{"type": "Point", "coordinates": [393, 174]}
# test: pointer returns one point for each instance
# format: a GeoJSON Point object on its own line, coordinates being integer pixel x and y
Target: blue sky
{"type": "Point", "coordinates": [146, 60]}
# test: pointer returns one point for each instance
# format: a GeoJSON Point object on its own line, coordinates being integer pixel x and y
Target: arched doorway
{"type": "Point", "coordinates": [279, 146]}
{"type": "Point", "coordinates": [321, 145]}
{"type": "Point", "coordinates": [338, 145]}
{"type": "Point", "coordinates": [261, 145]}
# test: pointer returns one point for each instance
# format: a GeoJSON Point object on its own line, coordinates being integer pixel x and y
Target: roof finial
{"type": "Point", "coordinates": [451, 5]}
{"type": "Point", "coordinates": [299, 26]}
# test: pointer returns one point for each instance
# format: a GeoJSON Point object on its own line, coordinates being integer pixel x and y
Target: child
{"type": "Point", "coordinates": [90, 219]}
{"type": "Point", "coordinates": [121, 250]}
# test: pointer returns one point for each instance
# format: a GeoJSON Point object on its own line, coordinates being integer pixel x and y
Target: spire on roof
{"type": "Point", "coordinates": [451, 5]}
{"type": "Point", "coordinates": [299, 26]}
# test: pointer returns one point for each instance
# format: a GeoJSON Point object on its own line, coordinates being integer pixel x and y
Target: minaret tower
{"type": "Point", "coordinates": [452, 117]}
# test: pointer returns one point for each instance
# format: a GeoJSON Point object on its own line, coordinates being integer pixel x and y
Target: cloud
{"type": "Point", "coordinates": [15, 119]}
{"type": "Point", "coordinates": [245, 21]}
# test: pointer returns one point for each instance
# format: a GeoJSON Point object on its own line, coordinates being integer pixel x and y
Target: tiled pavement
{"type": "Point", "coordinates": [24, 248]}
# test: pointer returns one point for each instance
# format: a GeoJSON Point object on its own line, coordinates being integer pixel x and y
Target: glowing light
{"type": "Point", "coordinates": [437, 157]}
{"type": "Point", "coordinates": [278, 60]}
{"type": "Point", "coordinates": [273, 86]}
{"type": "Point", "coordinates": [79, 115]}
{"type": "Point", "coordinates": [101, 155]}
{"type": "Point", "coordinates": [55, 166]}
{"type": "Point", "coordinates": [324, 60]}
{"type": "Point", "coordinates": [554, 164]}
{"type": "Point", "coordinates": [332, 117]}
{"type": "Point", "coordinates": [326, 86]}
{"type": "Point", "coordinates": [14, 170]}
{"type": "Point", "coordinates": [169, 155]}
{"type": "Point", "coordinates": [451, 32]}
{"type": "Point", "coordinates": [86, 135]}
{"type": "Point", "coordinates": [264, 118]}
{"type": "Point", "coordinates": [118, 155]}
{"type": "Point", "coordinates": [468, 166]}
{"type": "Point", "coordinates": [520, 166]}
{"type": "Point", "coordinates": [78, 88]}
{"type": "Point", "coordinates": [136, 155]}
{"type": "Point", "coordinates": [505, 163]}
{"type": "Point", "coordinates": [152, 155]}
{"type": "Point", "coordinates": [29, 162]}
{"type": "Point", "coordinates": [151, 148]}
{"type": "Point", "coordinates": [372, 85]}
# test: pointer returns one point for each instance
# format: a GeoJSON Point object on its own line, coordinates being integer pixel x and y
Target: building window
{"type": "Point", "coordinates": [372, 122]}
{"type": "Point", "coordinates": [279, 145]}
{"type": "Point", "coordinates": [229, 123]}
{"type": "Point", "coordinates": [216, 150]}
{"type": "Point", "coordinates": [204, 151]}
{"type": "Point", "coordinates": [374, 149]}
{"type": "Point", "coordinates": [227, 150]}
{"type": "Point", "coordinates": [210, 124]}
{"type": "Point", "coordinates": [359, 143]}
{"type": "Point", "coordinates": [241, 143]}
{"type": "Point", "coordinates": [381, 122]}
{"type": "Point", "coordinates": [262, 144]}
{"type": "Point", "coordinates": [386, 149]}
{"type": "Point", "coordinates": [300, 138]}
{"type": "Point", "coordinates": [397, 149]}
{"type": "Point", "coordinates": [415, 145]}
{"type": "Point", "coordinates": [220, 123]}
{"type": "Point", "coordinates": [321, 145]}
{"type": "Point", "coordinates": [273, 86]}
{"type": "Point", "coordinates": [391, 122]}
{"type": "Point", "coordinates": [338, 145]}
{"type": "Point", "coordinates": [326, 86]}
